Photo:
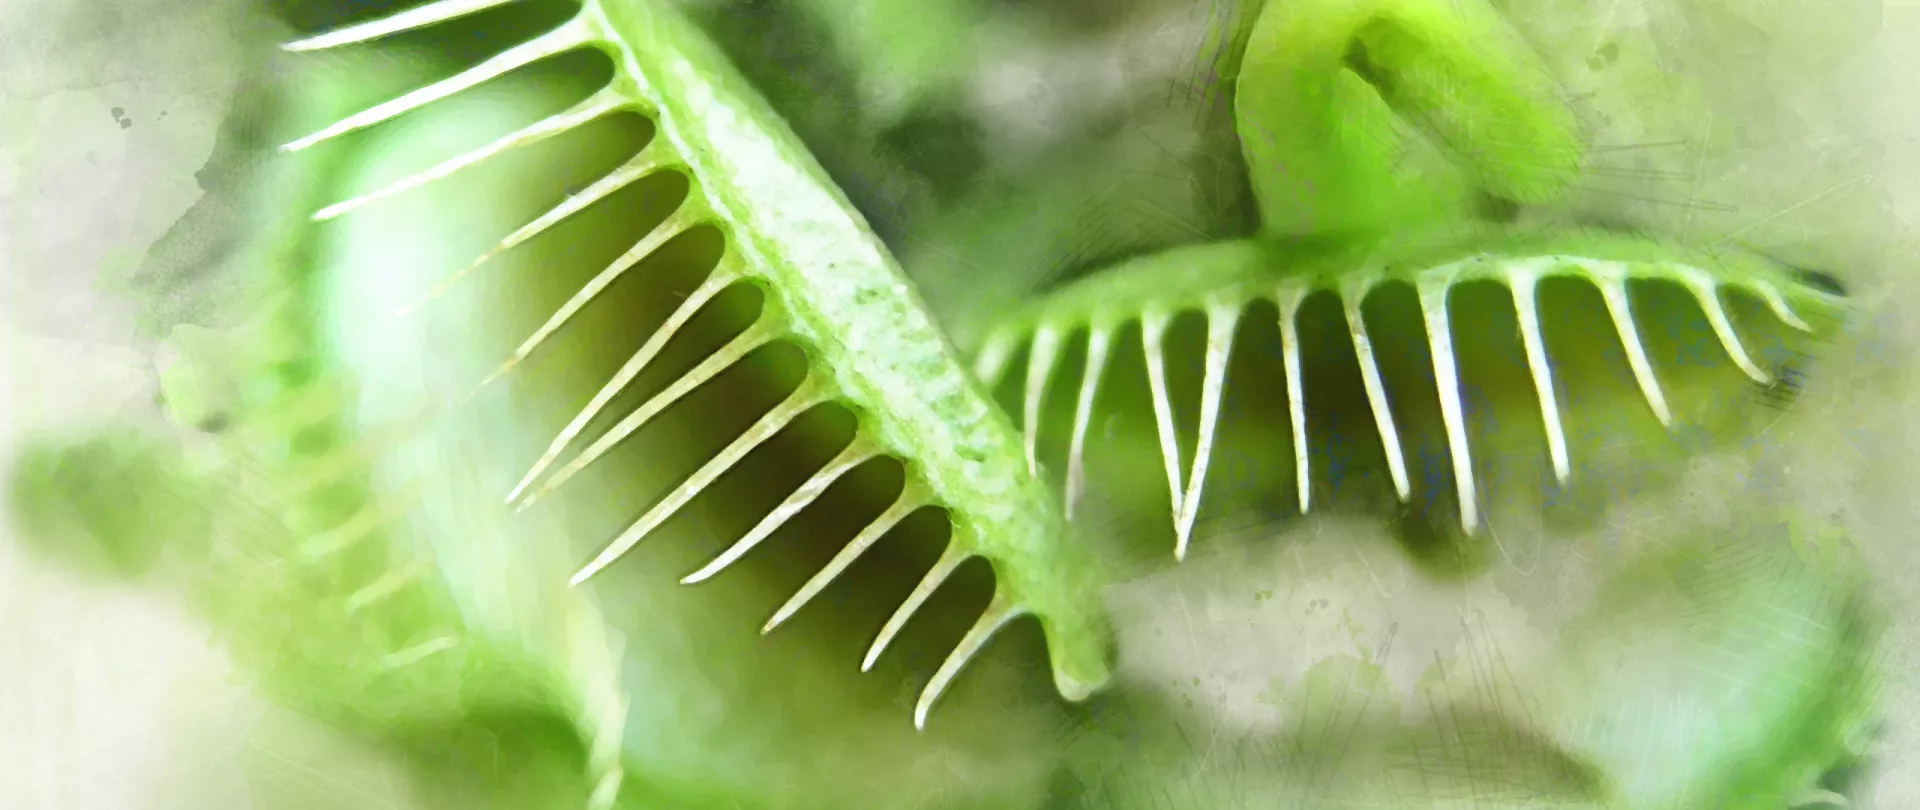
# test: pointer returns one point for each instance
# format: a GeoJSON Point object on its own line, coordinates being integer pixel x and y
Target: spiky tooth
{"type": "Point", "coordinates": [1099, 346]}
{"type": "Point", "coordinates": [1289, 298]}
{"type": "Point", "coordinates": [336, 464]}
{"type": "Point", "coordinates": [998, 613]}
{"type": "Point", "coordinates": [343, 460]}
{"type": "Point", "coordinates": [417, 653]}
{"type": "Point", "coordinates": [680, 221]}
{"type": "Point", "coordinates": [1433, 306]}
{"type": "Point", "coordinates": [1223, 317]}
{"type": "Point", "coordinates": [723, 275]}
{"type": "Point", "coordinates": [1153, 333]}
{"type": "Point", "coordinates": [1707, 292]}
{"type": "Point", "coordinates": [572, 34]}
{"type": "Point", "coordinates": [811, 392]}
{"type": "Point", "coordinates": [858, 452]}
{"type": "Point", "coordinates": [910, 499]}
{"type": "Point", "coordinates": [1046, 352]}
{"type": "Point", "coordinates": [936, 576]}
{"type": "Point", "coordinates": [605, 102]}
{"type": "Point", "coordinates": [655, 156]}
{"type": "Point", "coordinates": [1523, 280]}
{"type": "Point", "coordinates": [992, 361]}
{"type": "Point", "coordinates": [1611, 279]}
{"type": "Point", "coordinates": [410, 20]}
{"type": "Point", "coordinates": [1778, 303]}
{"type": "Point", "coordinates": [1352, 294]}
{"type": "Point", "coordinates": [364, 522]}
{"type": "Point", "coordinates": [759, 334]}
{"type": "Point", "coordinates": [387, 585]}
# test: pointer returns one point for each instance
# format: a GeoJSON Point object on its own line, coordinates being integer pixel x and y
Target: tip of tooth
{"type": "Point", "coordinates": [780, 616]}
{"type": "Point", "coordinates": [493, 377]}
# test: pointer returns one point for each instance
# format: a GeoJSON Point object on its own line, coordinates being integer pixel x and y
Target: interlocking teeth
{"type": "Point", "coordinates": [934, 578]}
{"type": "Point", "coordinates": [723, 275]}
{"type": "Point", "coordinates": [343, 460]}
{"type": "Point", "coordinates": [1045, 353]}
{"type": "Point", "coordinates": [370, 518]}
{"type": "Point", "coordinates": [410, 20]}
{"type": "Point", "coordinates": [759, 334]}
{"type": "Point", "coordinates": [811, 392]}
{"type": "Point", "coordinates": [652, 158]}
{"type": "Point", "coordinates": [1706, 291]}
{"type": "Point", "coordinates": [909, 500]}
{"type": "Point", "coordinates": [1778, 304]}
{"type": "Point", "coordinates": [856, 453]}
{"type": "Point", "coordinates": [570, 35]}
{"type": "Point", "coordinates": [1223, 317]}
{"type": "Point", "coordinates": [1433, 308]}
{"type": "Point", "coordinates": [1521, 276]}
{"type": "Point", "coordinates": [603, 103]}
{"type": "Point", "coordinates": [417, 653]}
{"type": "Point", "coordinates": [1523, 280]}
{"type": "Point", "coordinates": [1099, 346]}
{"type": "Point", "coordinates": [1289, 298]}
{"type": "Point", "coordinates": [998, 613]}
{"type": "Point", "coordinates": [1153, 332]}
{"type": "Point", "coordinates": [1351, 297]}
{"type": "Point", "coordinates": [1611, 279]}
{"type": "Point", "coordinates": [680, 221]}
{"type": "Point", "coordinates": [388, 585]}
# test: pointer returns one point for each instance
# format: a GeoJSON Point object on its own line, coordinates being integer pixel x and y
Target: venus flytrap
{"type": "Point", "coordinates": [349, 579]}
{"type": "Point", "coordinates": [1388, 143]}
{"type": "Point", "coordinates": [1372, 130]}
{"type": "Point", "coordinates": [830, 288]}
{"type": "Point", "coordinates": [1221, 280]}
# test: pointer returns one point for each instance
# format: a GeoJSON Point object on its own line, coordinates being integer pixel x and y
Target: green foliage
{"type": "Point", "coordinates": [358, 559]}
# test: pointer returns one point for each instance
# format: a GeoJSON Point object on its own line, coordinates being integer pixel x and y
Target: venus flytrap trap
{"type": "Point", "coordinates": [1222, 280]}
{"type": "Point", "coordinates": [349, 575]}
{"type": "Point", "coordinates": [1373, 131]}
{"type": "Point", "coordinates": [829, 287]}
{"type": "Point", "coordinates": [424, 400]}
